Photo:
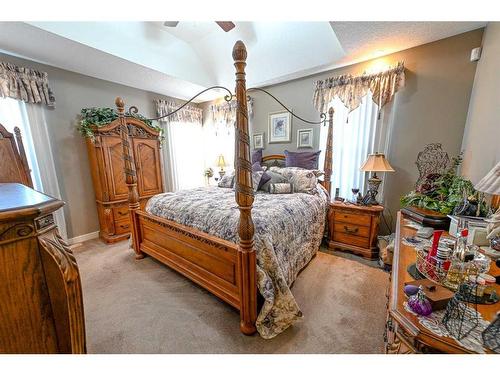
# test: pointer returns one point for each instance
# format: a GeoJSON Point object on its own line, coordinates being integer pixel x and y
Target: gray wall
{"type": "Point", "coordinates": [73, 92]}
{"type": "Point", "coordinates": [482, 132]}
{"type": "Point", "coordinates": [432, 107]}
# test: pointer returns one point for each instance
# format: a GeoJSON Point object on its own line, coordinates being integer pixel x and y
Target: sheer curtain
{"type": "Point", "coordinates": [355, 135]}
{"type": "Point", "coordinates": [30, 118]}
{"type": "Point", "coordinates": [183, 155]}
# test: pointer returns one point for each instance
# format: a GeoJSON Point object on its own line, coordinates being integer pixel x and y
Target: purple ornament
{"type": "Point", "coordinates": [419, 303]}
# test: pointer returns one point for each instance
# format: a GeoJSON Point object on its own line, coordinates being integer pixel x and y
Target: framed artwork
{"type": "Point", "coordinates": [304, 138]}
{"type": "Point", "coordinates": [258, 141]}
{"type": "Point", "coordinates": [280, 124]}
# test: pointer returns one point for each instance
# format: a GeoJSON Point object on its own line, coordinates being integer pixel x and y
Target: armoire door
{"type": "Point", "coordinates": [148, 166]}
{"type": "Point", "coordinates": [114, 168]}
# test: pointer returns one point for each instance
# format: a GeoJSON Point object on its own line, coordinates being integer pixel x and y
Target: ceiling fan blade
{"type": "Point", "coordinates": [225, 25]}
{"type": "Point", "coordinates": [170, 23]}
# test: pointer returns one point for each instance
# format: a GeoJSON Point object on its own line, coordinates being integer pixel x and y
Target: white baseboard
{"type": "Point", "coordinates": [83, 237]}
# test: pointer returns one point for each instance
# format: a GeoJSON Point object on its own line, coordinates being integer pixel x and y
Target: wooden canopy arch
{"type": "Point", "coordinates": [224, 268]}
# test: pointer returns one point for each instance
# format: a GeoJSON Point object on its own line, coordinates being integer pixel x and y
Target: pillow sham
{"type": "Point", "coordinates": [256, 177]}
{"type": "Point", "coordinates": [257, 157]}
{"type": "Point", "coordinates": [306, 160]}
{"type": "Point", "coordinates": [281, 188]}
{"type": "Point", "coordinates": [227, 181]}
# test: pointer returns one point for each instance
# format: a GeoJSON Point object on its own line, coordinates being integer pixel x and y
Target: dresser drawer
{"type": "Point", "coordinates": [122, 226]}
{"type": "Point", "coordinates": [120, 213]}
{"type": "Point", "coordinates": [352, 229]}
{"type": "Point", "coordinates": [350, 239]}
{"type": "Point", "coordinates": [358, 219]}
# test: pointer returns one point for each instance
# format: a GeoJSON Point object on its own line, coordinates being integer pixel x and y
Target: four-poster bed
{"type": "Point", "coordinates": [227, 269]}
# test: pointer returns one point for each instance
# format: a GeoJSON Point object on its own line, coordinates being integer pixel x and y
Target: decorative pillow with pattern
{"type": "Point", "coordinates": [302, 180]}
{"type": "Point", "coordinates": [256, 177]}
{"type": "Point", "coordinates": [227, 181]}
{"type": "Point", "coordinates": [281, 188]}
{"type": "Point", "coordinates": [274, 179]}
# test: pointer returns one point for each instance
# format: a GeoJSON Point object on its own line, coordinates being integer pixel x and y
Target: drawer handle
{"type": "Point", "coordinates": [124, 226]}
{"type": "Point", "coordinates": [349, 230]}
{"type": "Point", "coordinates": [123, 213]}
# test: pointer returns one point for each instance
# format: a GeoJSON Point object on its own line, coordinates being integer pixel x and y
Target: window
{"type": "Point", "coordinates": [12, 114]}
{"type": "Point", "coordinates": [355, 135]}
{"type": "Point", "coordinates": [30, 118]}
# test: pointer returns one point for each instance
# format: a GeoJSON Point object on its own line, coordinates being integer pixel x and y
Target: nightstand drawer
{"type": "Point", "coordinates": [121, 212]}
{"type": "Point", "coordinates": [122, 226]}
{"type": "Point", "coordinates": [352, 229]}
{"type": "Point", "coordinates": [350, 239]}
{"type": "Point", "coordinates": [358, 219]}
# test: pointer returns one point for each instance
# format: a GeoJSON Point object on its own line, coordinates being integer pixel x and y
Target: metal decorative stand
{"type": "Point", "coordinates": [491, 335]}
{"type": "Point", "coordinates": [459, 318]}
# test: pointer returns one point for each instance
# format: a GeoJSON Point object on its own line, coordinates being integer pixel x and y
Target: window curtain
{"type": "Point", "coordinates": [30, 118]}
{"type": "Point", "coordinates": [25, 84]}
{"type": "Point", "coordinates": [224, 114]}
{"type": "Point", "coordinates": [182, 153]}
{"type": "Point", "coordinates": [352, 89]}
{"type": "Point", "coordinates": [356, 134]}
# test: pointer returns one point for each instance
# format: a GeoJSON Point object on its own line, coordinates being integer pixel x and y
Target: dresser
{"type": "Point", "coordinates": [354, 228]}
{"type": "Point", "coordinates": [108, 176]}
{"type": "Point", "coordinates": [404, 334]}
{"type": "Point", "coordinates": [41, 306]}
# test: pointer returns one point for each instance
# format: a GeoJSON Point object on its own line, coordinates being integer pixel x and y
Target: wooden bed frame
{"type": "Point", "coordinates": [226, 269]}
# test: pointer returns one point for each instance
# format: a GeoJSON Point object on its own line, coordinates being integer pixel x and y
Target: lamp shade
{"type": "Point", "coordinates": [376, 163]}
{"type": "Point", "coordinates": [490, 184]}
{"type": "Point", "coordinates": [221, 163]}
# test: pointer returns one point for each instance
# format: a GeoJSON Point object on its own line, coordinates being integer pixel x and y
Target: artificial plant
{"type": "Point", "coordinates": [100, 116]}
{"type": "Point", "coordinates": [445, 192]}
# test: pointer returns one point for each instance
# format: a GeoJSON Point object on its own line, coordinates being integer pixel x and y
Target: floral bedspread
{"type": "Point", "coordinates": [288, 232]}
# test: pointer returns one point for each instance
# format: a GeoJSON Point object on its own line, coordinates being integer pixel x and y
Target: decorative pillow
{"type": "Point", "coordinates": [303, 180]}
{"type": "Point", "coordinates": [227, 181]}
{"type": "Point", "coordinates": [306, 160]}
{"type": "Point", "coordinates": [257, 157]}
{"type": "Point", "coordinates": [281, 188]}
{"type": "Point", "coordinates": [317, 172]}
{"type": "Point", "coordinates": [274, 178]}
{"type": "Point", "coordinates": [256, 167]}
{"type": "Point", "coordinates": [256, 177]}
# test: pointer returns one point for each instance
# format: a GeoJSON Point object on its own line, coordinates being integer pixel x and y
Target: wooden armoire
{"type": "Point", "coordinates": [108, 176]}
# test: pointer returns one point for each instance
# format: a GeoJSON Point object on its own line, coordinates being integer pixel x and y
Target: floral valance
{"type": "Point", "coordinates": [225, 113]}
{"type": "Point", "coordinates": [189, 113]}
{"type": "Point", "coordinates": [350, 90]}
{"type": "Point", "coordinates": [26, 84]}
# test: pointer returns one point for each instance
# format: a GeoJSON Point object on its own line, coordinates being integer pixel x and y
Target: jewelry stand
{"type": "Point", "coordinates": [460, 319]}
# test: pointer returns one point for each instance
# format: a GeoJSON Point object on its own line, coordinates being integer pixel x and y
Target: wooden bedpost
{"type": "Point", "coordinates": [244, 197]}
{"type": "Point", "coordinates": [130, 178]}
{"type": "Point", "coordinates": [329, 153]}
{"type": "Point", "coordinates": [22, 154]}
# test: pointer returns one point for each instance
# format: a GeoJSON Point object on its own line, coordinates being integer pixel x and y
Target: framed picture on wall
{"type": "Point", "coordinates": [258, 141]}
{"type": "Point", "coordinates": [280, 124]}
{"type": "Point", "coordinates": [304, 138]}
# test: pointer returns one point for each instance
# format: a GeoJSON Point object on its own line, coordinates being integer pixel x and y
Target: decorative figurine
{"type": "Point", "coordinates": [419, 303]}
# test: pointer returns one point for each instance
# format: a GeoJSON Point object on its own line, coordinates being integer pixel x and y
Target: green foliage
{"type": "Point", "coordinates": [443, 192]}
{"type": "Point", "coordinates": [100, 116]}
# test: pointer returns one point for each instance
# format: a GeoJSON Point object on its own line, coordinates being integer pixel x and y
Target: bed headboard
{"type": "Point", "coordinates": [275, 160]}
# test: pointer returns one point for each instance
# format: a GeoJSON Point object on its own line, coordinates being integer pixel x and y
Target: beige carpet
{"type": "Point", "coordinates": [144, 307]}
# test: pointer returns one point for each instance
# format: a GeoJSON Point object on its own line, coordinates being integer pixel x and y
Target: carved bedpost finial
{"type": "Point", "coordinates": [239, 51]}
{"type": "Point", "coordinates": [120, 104]}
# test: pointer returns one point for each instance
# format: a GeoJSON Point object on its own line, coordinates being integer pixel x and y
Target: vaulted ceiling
{"type": "Point", "coordinates": [183, 60]}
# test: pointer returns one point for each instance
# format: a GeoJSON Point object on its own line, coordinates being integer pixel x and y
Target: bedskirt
{"type": "Point", "coordinates": [288, 232]}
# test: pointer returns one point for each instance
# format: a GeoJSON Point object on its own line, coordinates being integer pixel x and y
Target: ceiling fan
{"type": "Point", "coordinates": [224, 25]}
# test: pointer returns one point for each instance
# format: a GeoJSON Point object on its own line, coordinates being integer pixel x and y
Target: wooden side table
{"type": "Point", "coordinates": [354, 228]}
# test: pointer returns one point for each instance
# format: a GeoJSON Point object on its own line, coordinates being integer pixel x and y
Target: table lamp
{"type": "Point", "coordinates": [374, 163]}
{"type": "Point", "coordinates": [490, 184]}
{"type": "Point", "coordinates": [221, 163]}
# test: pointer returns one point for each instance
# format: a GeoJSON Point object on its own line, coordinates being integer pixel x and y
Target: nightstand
{"type": "Point", "coordinates": [354, 228]}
